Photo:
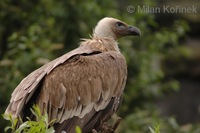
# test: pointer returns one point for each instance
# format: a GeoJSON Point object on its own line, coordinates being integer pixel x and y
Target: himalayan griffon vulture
{"type": "Point", "coordinates": [83, 87]}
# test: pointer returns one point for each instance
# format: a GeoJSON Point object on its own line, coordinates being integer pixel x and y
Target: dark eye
{"type": "Point", "coordinates": [119, 24]}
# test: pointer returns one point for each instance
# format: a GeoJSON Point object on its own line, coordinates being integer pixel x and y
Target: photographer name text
{"type": "Point", "coordinates": [163, 9]}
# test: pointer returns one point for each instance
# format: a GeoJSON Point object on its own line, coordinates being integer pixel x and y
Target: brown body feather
{"type": "Point", "coordinates": [83, 87]}
{"type": "Point", "coordinates": [75, 88]}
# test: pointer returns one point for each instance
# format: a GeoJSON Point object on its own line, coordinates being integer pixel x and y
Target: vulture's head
{"type": "Point", "coordinates": [114, 28]}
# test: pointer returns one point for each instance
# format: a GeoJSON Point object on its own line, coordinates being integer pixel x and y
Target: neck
{"type": "Point", "coordinates": [103, 34]}
{"type": "Point", "coordinates": [103, 44]}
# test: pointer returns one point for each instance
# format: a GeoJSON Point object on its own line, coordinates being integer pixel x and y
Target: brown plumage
{"type": "Point", "coordinates": [83, 87]}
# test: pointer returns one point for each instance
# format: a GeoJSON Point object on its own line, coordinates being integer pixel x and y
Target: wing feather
{"type": "Point", "coordinates": [29, 85]}
{"type": "Point", "coordinates": [73, 85]}
{"type": "Point", "coordinates": [90, 83]}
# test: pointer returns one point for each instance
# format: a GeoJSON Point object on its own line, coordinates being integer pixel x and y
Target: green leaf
{"type": "Point", "coordinates": [50, 130]}
{"type": "Point", "coordinates": [78, 129]}
{"type": "Point", "coordinates": [156, 129]}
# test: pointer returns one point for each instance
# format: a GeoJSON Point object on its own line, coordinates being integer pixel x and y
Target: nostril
{"type": "Point", "coordinates": [130, 27]}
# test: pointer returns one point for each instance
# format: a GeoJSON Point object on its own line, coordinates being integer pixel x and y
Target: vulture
{"type": "Point", "coordinates": [84, 87]}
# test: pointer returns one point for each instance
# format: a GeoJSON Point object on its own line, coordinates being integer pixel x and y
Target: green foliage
{"type": "Point", "coordinates": [156, 129]}
{"type": "Point", "coordinates": [41, 125]}
{"type": "Point", "coordinates": [78, 129]}
{"type": "Point", "coordinates": [35, 32]}
{"type": "Point", "coordinates": [12, 120]}
{"type": "Point", "coordinates": [142, 120]}
{"type": "Point", "coordinates": [147, 79]}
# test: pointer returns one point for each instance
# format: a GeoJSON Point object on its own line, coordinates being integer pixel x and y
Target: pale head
{"type": "Point", "coordinates": [114, 28]}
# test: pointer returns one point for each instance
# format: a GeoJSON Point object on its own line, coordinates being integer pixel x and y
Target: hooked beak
{"type": "Point", "coordinates": [134, 31]}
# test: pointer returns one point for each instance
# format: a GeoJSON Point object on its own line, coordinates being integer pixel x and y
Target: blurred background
{"type": "Point", "coordinates": [163, 84]}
